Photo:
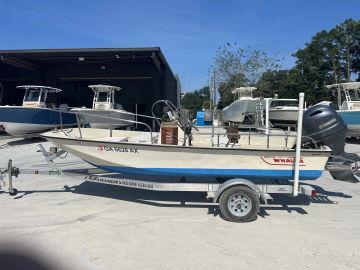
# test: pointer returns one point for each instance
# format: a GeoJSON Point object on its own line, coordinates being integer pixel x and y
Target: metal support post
{"type": "Point", "coordinates": [298, 144]}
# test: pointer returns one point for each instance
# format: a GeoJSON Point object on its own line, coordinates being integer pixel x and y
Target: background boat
{"type": "Point", "coordinates": [105, 112]}
{"type": "Point", "coordinates": [348, 102]}
{"type": "Point", "coordinates": [34, 116]}
{"type": "Point", "coordinates": [283, 111]}
{"type": "Point", "coordinates": [244, 104]}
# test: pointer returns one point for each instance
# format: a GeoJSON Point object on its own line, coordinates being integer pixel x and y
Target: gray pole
{"type": "Point", "coordinates": [214, 97]}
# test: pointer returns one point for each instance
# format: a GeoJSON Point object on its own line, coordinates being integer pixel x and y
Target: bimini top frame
{"type": "Point", "coordinates": [104, 96]}
{"type": "Point", "coordinates": [243, 92]}
{"type": "Point", "coordinates": [35, 95]}
{"type": "Point", "coordinates": [349, 104]}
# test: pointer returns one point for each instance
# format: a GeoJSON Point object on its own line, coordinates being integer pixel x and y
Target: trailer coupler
{"type": "Point", "coordinates": [9, 173]}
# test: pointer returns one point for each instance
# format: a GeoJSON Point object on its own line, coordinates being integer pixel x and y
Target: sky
{"type": "Point", "coordinates": [188, 31]}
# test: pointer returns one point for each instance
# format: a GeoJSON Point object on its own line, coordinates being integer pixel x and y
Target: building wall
{"type": "Point", "coordinates": [141, 83]}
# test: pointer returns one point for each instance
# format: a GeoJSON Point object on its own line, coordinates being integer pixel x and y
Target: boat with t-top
{"type": "Point", "coordinates": [348, 103]}
{"type": "Point", "coordinates": [244, 105]}
{"type": "Point", "coordinates": [105, 112]}
{"type": "Point", "coordinates": [35, 115]}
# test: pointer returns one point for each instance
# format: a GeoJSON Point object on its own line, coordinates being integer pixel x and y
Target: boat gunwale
{"type": "Point", "coordinates": [309, 151]}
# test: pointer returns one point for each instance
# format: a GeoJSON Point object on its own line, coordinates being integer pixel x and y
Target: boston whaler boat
{"type": "Point", "coordinates": [247, 172]}
{"type": "Point", "coordinates": [244, 104]}
{"type": "Point", "coordinates": [34, 116]}
{"type": "Point", "coordinates": [142, 153]}
{"type": "Point", "coordinates": [105, 112]}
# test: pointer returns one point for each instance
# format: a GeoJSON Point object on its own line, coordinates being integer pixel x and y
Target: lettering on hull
{"type": "Point", "coordinates": [285, 161]}
{"type": "Point", "coordinates": [106, 148]}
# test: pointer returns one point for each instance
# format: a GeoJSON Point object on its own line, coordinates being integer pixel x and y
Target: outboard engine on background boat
{"type": "Point", "coordinates": [323, 126]}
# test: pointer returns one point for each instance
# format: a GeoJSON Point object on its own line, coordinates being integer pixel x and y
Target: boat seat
{"type": "Point", "coordinates": [114, 139]}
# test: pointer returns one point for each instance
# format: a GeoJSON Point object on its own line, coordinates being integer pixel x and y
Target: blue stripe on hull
{"type": "Point", "coordinates": [242, 173]}
{"type": "Point", "coordinates": [36, 116]}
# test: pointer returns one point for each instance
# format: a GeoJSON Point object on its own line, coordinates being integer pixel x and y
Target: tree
{"type": "Point", "coordinates": [235, 67]}
{"type": "Point", "coordinates": [330, 57]}
{"type": "Point", "coordinates": [196, 100]}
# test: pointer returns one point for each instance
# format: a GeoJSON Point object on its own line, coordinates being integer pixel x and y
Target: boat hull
{"type": "Point", "coordinates": [352, 120]}
{"type": "Point", "coordinates": [19, 121]}
{"type": "Point", "coordinates": [154, 159]}
{"type": "Point", "coordinates": [98, 118]}
{"type": "Point", "coordinates": [283, 115]}
{"type": "Point", "coordinates": [237, 110]}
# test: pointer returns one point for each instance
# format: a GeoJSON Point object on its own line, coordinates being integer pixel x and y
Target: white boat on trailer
{"type": "Point", "coordinates": [250, 169]}
{"type": "Point", "coordinates": [134, 152]}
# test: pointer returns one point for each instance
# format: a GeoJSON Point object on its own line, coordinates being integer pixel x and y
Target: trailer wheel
{"type": "Point", "coordinates": [239, 204]}
{"type": "Point", "coordinates": [13, 192]}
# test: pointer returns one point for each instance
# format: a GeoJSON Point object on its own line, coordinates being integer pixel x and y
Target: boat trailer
{"type": "Point", "coordinates": [238, 199]}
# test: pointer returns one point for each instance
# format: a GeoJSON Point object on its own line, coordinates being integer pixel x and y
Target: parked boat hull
{"type": "Point", "coordinates": [101, 118]}
{"type": "Point", "coordinates": [237, 110]}
{"type": "Point", "coordinates": [18, 120]}
{"type": "Point", "coordinates": [352, 120]}
{"type": "Point", "coordinates": [155, 159]}
{"type": "Point", "coordinates": [283, 115]}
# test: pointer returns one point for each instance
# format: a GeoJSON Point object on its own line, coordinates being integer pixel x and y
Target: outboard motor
{"type": "Point", "coordinates": [323, 126]}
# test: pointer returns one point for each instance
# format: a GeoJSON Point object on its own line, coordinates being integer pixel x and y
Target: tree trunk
{"type": "Point", "coordinates": [347, 60]}
{"type": "Point", "coordinates": [334, 68]}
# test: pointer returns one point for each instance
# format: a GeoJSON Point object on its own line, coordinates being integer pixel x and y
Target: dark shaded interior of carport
{"type": "Point", "coordinates": [143, 74]}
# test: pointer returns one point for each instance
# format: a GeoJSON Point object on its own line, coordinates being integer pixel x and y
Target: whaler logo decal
{"type": "Point", "coordinates": [117, 149]}
{"type": "Point", "coordinates": [276, 160]}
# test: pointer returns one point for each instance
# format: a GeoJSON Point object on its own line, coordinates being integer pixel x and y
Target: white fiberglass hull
{"type": "Point", "coordinates": [284, 115]}
{"type": "Point", "coordinates": [20, 129]}
{"type": "Point", "coordinates": [156, 159]}
{"type": "Point", "coordinates": [237, 110]}
{"type": "Point", "coordinates": [101, 118]}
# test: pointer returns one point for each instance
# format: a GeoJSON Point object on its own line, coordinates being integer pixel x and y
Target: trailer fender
{"type": "Point", "coordinates": [236, 182]}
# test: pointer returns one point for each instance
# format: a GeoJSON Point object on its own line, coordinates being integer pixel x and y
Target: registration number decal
{"type": "Point", "coordinates": [106, 148]}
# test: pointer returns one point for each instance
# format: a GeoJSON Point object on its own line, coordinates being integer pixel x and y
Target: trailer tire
{"type": "Point", "coordinates": [239, 204]}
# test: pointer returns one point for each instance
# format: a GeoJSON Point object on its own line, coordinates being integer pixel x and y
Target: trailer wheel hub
{"type": "Point", "coordinates": [239, 204]}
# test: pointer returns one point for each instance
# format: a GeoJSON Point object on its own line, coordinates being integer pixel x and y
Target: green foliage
{"type": "Point", "coordinates": [330, 57]}
{"type": "Point", "coordinates": [235, 67]}
{"type": "Point", "coordinates": [196, 100]}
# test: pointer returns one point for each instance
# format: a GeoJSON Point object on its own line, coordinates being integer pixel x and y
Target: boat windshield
{"type": "Point", "coordinates": [354, 95]}
{"type": "Point", "coordinates": [245, 94]}
{"type": "Point", "coordinates": [284, 103]}
{"type": "Point", "coordinates": [32, 95]}
{"type": "Point", "coordinates": [102, 97]}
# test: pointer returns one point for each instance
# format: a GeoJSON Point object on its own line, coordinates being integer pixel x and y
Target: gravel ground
{"type": "Point", "coordinates": [67, 223]}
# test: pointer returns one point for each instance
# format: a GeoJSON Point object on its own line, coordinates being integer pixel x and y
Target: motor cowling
{"type": "Point", "coordinates": [322, 124]}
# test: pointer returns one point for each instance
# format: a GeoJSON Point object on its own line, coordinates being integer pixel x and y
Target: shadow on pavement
{"type": "Point", "coordinates": [353, 140]}
{"type": "Point", "coordinates": [24, 141]}
{"type": "Point", "coordinates": [187, 199]}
